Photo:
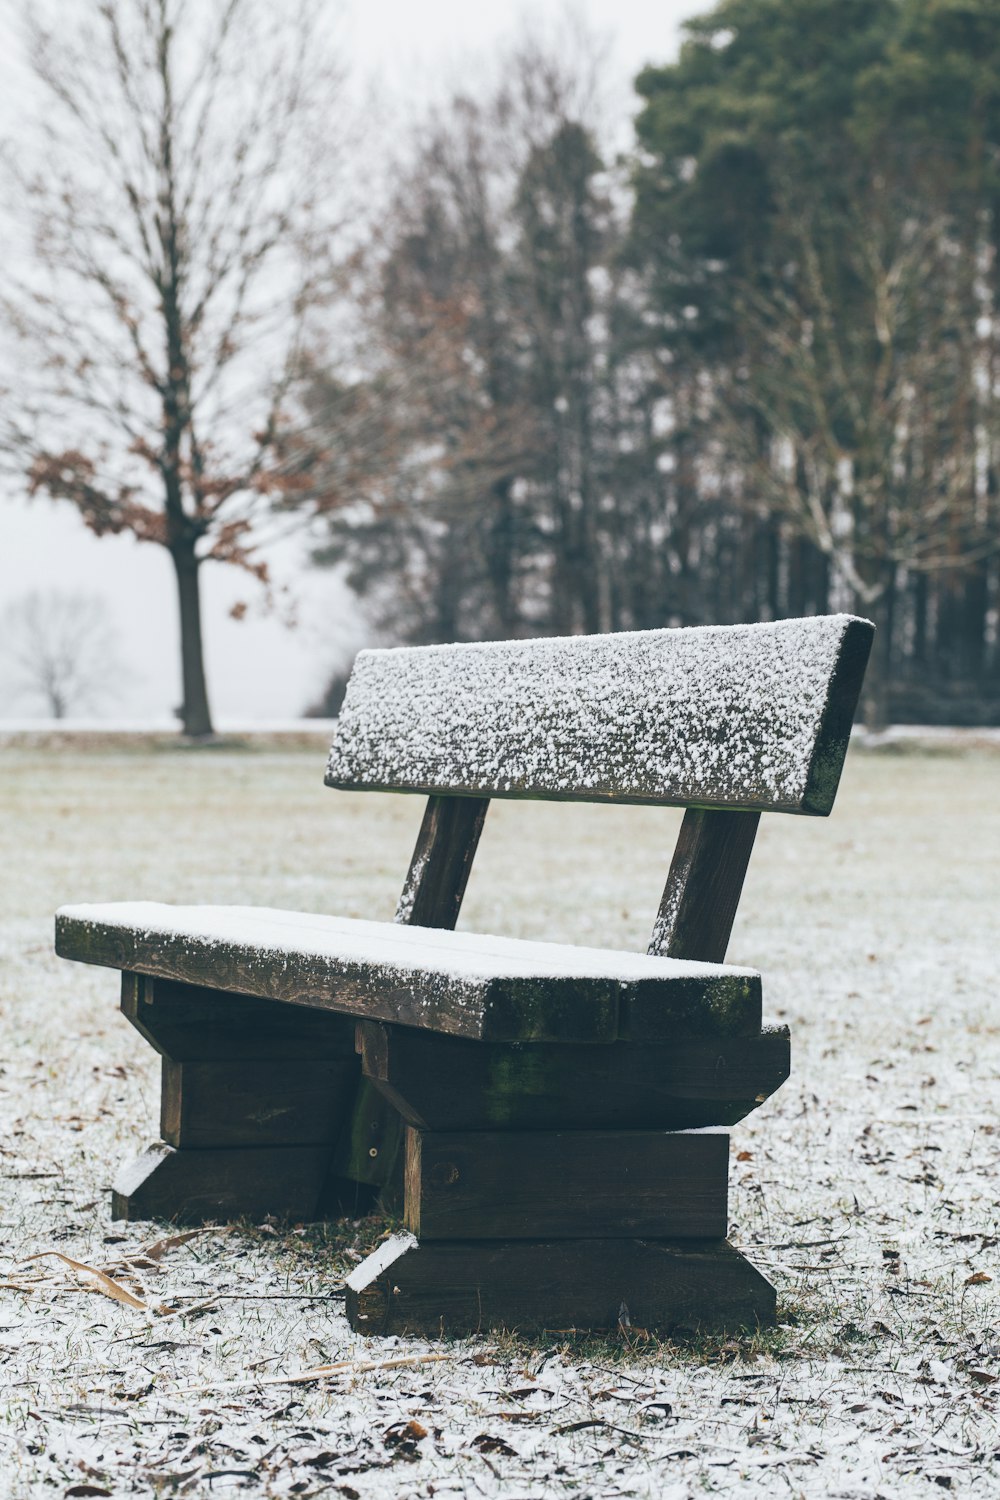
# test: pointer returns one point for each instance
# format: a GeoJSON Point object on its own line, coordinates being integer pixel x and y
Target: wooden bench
{"type": "Point", "coordinates": [563, 1163]}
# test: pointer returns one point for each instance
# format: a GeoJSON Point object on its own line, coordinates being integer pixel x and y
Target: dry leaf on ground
{"type": "Point", "coordinates": [105, 1283]}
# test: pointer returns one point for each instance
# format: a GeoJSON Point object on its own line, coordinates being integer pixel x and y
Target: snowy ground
{"type": "Point", "coordinates": [867, 1188]}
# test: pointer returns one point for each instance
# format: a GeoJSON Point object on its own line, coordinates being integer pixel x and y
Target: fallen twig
{"type": "Point", "coordinates": [318, 1372]}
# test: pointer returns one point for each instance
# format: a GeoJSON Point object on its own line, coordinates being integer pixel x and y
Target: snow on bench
{"type": "Point", "coordinates": [747, 716]}
{"type": "Point", "coordinates": [546, 1184]}
{"type": "Point", "coordinates": [461, 983]}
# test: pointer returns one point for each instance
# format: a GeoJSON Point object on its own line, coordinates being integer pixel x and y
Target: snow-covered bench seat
{"type": "Point", "coordinates": [457, 983]}
{"type": "Point", "coordinates": [549, 1113]}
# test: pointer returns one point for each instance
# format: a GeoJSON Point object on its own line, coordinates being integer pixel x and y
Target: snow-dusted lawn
{"type": "Point", "coordinates": [868, 1188]}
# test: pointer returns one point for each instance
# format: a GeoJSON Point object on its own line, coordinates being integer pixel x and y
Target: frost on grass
{"type": "Point", "coordinates": [866, 1188]}
{"type": "Point", "coordinates": [711, 714]}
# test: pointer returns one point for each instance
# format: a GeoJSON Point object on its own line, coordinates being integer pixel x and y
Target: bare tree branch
{"type": "Point", "coordinates": [182, 198]}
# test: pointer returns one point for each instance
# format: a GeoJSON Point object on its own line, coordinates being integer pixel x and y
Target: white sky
{"type": "Point", "coordinates": [259, 668]}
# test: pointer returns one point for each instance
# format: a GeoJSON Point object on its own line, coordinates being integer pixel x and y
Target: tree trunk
{"type": "Point", "coordinates": [875, 694]}
{"type": "Point", "coordinates": [194, 712]}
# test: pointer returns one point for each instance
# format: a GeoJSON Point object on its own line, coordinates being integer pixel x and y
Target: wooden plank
{"type": "Point", "coordinates": [838, 717]}
{"type": "Point", "coordinates": [213, 1186]}
{"type": "Point", "coordinates": [370, 1148]}
{"type": "Point", "coordinates": [704, 885]}
{"type": "Point", "coordinates": [439, 870]}
{"type": "Point", "coordinates": [438, 1289]}
{"type": "Point", "coordinates": [574, 1184]}
{"type": "Point", "coordinates": [490, 994]}
{"type": "Point", "coordinates": [189, 1022]}
{"type": "Point", "coordinates": [447, 1083]}
{"type": "Point", "coordinates": [742, 716]}
{"type": "Point", "coordinates": [730, 1006]}
{"type": "Point", "coordinates": [256, 1102]}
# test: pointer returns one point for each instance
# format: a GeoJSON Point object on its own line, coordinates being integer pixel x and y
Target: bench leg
{"type": "Point", "coordinates": [515, 1221]}
{"type": "Point", "coordinates": [434, 1289]}
{"type": "Point", "coordinates": [199, 1186]}
{"type": "Point", "coordinates": [255, 1094]}
{"type": "Point", "coordinates": [556, 1230]}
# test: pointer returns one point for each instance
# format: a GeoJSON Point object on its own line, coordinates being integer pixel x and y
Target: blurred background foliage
{"type": "Point", "coordinates": [741, 367]}
{"type": "Point", "coordinates": [747, 370]}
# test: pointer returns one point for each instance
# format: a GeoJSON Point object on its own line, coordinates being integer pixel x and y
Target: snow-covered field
{"type": "Point", "coordinates": [867, 1188]}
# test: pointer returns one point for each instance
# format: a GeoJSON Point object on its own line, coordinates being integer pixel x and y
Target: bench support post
{"type": "Point", "coordinates": [433, 1289]}
{"type": "Point", "coordinates": [431, 897]}
{"type": "Point", "coordinates": [551, 1186]}
{"type": "Point", "coordinates": [254, 1093]}
{"type": "Point", "coordinates": [703, 887]}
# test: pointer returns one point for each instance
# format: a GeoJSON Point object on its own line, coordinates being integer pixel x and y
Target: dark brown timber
{"type": "Point", "coordinates": [566, 1184]}
{"type": "Point", "coordinates": [723, 1003]}
{"type": "Point", "coordinates": [838, 717]}
{"type": "Point", "coordinates": [188, 1022]}
{"type": "Point", "coordinates": [704, 884]}
{"type": "Point", "coordinates": [239, 1076]}
{"type": "Point", "coordinates": [370, 1146]}
{"type": "Point", "coordinates": [505, 1006]}
{"type": "Point", "coordinates": [445, 1083]}
{"type": "Point", "coordinates": [554, 1186]}
{"type": "Point", "coordinates": [192, 1187]}
{"type": "Point", "coordinates": [442, 859]}
{"type": "Point", "coordinates": [687, 718]}
{"type": "Point", "coordinates": [253, 1102]}
{"type": "Point", "coordinates": [558, 1286]}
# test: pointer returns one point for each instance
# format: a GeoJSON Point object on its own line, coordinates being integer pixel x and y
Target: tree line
{"type": "Point", "coordinates": [744, 369]}
{"type": "Point", "coordinates": [747, 371]}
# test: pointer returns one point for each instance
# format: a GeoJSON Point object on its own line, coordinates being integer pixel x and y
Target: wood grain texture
{"type": "Point", "coordinates": [837, 720]}
{"type": "Point", "coordinates": [433, 1290]}
{"type": "Point", "coordinates": [727, 1008]}
{"type": "Point", "coordinates": [495, 1000]}
{"type": "Point", "coordinates": [745, 716]}
{"type": "Point", "coordinates": [704, 885]}
{"type": "Point", "coordinates": [442, 859]}
{"type": "Point", "coordinates": [572, 1184]}
{"type": "Point", "coordinates": [501, 1008]}
{"type": "Point", "coordinates": [213, 1186]}
{"type": "Point", "coordinates": [190, 1022]}
{"type": "Point", "coordinates": [446, 1083]}
{"type": "Point", "coordinates": [370, 1149]}
{"type": "Point", "coordinates": [256, 1102]}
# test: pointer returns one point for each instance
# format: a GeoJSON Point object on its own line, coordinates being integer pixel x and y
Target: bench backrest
{"type": "Point", "coordinates": [726, 721]}
{"type": "Point", "coordinates": [740, 716]}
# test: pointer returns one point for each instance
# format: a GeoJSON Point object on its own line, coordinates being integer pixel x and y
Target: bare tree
{"type": "Point", "coordinates": [60, 648]}
{"type": "Point", "coordinates": [883, 419]}
{"type": "Point", "coordinates": [178, 186]}
{"type": "Point", "coordinates": [487, 317]}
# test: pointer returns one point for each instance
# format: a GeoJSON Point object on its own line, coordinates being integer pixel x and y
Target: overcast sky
{"type": "Point", "coordinates": [259, 668]}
